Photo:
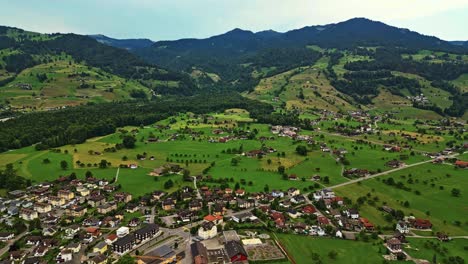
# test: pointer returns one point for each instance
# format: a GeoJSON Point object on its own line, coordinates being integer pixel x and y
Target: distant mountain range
{"type": "Point", "coordinates": [129, 44]}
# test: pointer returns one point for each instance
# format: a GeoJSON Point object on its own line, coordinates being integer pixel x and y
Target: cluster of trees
{"type": "Point", "coordinates": [10, 180]}
{"type": "Point", "coordinates": [76, 124]}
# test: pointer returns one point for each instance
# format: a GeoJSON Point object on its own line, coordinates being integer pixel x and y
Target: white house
{"type": "Point", "coordinates": [207, 230]}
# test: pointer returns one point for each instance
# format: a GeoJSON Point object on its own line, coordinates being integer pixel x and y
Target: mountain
{"type": "Point", "coordinates": [460, 43]}
{"type": "Point", "coordinates": [129, 44]}
{"type": "Point", "coordinates": [43, 71]}
{"type": "Point", "coordinates": [240, 45]}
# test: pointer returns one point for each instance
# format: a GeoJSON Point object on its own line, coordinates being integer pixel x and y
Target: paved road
{"type": "Point", "coordinates": [196, 188]}
{"type": "Point", "coordinates": [387, 172]}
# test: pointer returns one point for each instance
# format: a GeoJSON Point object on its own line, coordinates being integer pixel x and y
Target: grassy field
{"type": "Point", "coordinates": [433, 182]}
{"type": "Point", "coordinates": [305, 250]}
{"type": "Point", "coordinates": [426, 249]}
{"type": "Point", "coordinates": [68, 83]}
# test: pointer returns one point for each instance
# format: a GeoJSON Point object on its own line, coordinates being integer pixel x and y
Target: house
{"type": "Point", "coordinates": [56, 201]}
{"type": "Point", "coordinates": [461, 164]}
{"type": "Point", "coordinates": [28, 214]}
{"type": "Point", "coordinates": [402, 227]}
{"type": "Point", "coordinates": [93, 231]}
{"type": "Point", "coordinates": [124, 244]}
{"type": "Point", "coordinates": [235, 251]}
{"type": "Point", "coordinates": [322, 220]}
{"type": "Point", "coordinates": [394, 163]}
{"type": "Point", "coordinates": [4, 236]}
{"type": "Point", "coordinates": [168, 204]}
{"type": "Point", "coordinates": [74, 247]}
{"type": "Point", "coordinates": [111, 239]}
{"type": "Point", "coordinates": [207, 230]}
{"type": "Point", "coordinates": [293, 213]}
{"type": "Point", "coordinates": [293, 192]}
{"type": "Point", "coordinates": [65, 256]}
{"type": "Point", "coordinates": [106, 208]}
{"type": "Point", "coordinates": [122, 197]}
{"type": "Point", "coordinates": [66, 194]}
{"type": "Point", "coordinates": [96, 200]}
{"type": "Point", "coordinates": [100, 248]}
{"type": "Point", "coordinates": [241, 203]}
{"type": "Point", "coordinates": [244, 217]}
{"type": "Point", "coordinates": [442, 236]}
{"type": "Point", "coordinates": [42, 208]}
{"type": "Point", "coordinates": [309, 209]}
{"type": "Point", "coordinates": [254, 153]}
{"type": "Point", "coordinates": [71, 231]}
{"type": "Point", "coordinates": [157, 195]}
{"type": "Point", "coordinates": [218, 219]}
{"type": "Point", "coordinates": [49, 231]}
{"type": "Point", "coordinates": [352, 213]}
{"type": "Point", "coordinates": [240, 192]}
{"type": "Point", "coordinates": [394, 245]}
{"type": "Point", "coordinates": [132, 208]}
{"type": "Point", "coordinates": [421, 223]}
{"type": "Point", "coordinates": [147, 232]}
{"type": "Point", "coordinates": [298, 199]}
{"type": "Point", "coordinates": [76, 211]}
{"type": "Point", "coordinates": [31, 240]}
{"type": "Point", "coordinates": [293, 177]}
{"type": "Point", "coordinates": [277, 194]}
{"type": "Point", "coordinates": [134, 222]}
{"type": "Point", "coordinates": [366, 224]}
{"type": "Point", "coordinates": [122, 231]}
{"type": "Point", "coordinates": [99, 259]}
{"type": "Point", "coordinates": [195, 205]}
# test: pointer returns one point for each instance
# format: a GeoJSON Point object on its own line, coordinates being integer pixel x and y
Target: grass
{"type": "Point", "coordinates": [62, 87]}
{"type": "Point", "coordinates": [422, 248]}
{"type": "Point", "coordinates": [443, 210]}
{"type": "Point", "coordinates": [303, 249]}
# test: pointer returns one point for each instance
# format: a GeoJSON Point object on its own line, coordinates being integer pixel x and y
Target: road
{"type": "Point", "coordinates": [12, 241]}
{"type": "Point", "coordinates": [387, 172]}
{"type": "Point", "coordinates": [196, 188]}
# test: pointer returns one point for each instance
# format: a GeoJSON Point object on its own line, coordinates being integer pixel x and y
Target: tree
{"type": "Point", "coordinates": [168, 184]}
{"type": "Point", "coordinates": [88, 174]}
{"type": "Point", "coordinates": [301, 150]}
{"type": "Point", "coordinates": [332, 254]}
{"type": "Point", "coordinates": [64, 164]}
{"type": "Point", "coordinates": [234, 161]}
{"type": "Point", "coordinates": [46, 161]}
{"type": "Point", "coordinates": [128, 141]}
{"type": "Point", "coordinates": [456, 192]}
{"type": "Point", "coordinates": [281, 169]}
{"type": "Point", "coordinates": [326, 180]}
{"type": "Point", "coordinates": [103, 164]}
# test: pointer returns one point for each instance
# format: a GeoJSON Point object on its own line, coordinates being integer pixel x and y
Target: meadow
{"type": "Point", "coordinates": [430, 196]}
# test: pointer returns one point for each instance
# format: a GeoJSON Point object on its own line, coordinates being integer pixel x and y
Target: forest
{"type": "Point", "coordinates": [74, 125]}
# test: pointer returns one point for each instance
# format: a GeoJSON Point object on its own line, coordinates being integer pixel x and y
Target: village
{"type": "Point", "coordinates": [208, 220]}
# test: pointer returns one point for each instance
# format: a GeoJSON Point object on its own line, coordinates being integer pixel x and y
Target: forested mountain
{"type": "Point", "coordinates": [239, 44]}
{"type": "Point", "coordinates": [128, 44]}
{"type": "Point", "coordinates": [351, 64]}
{"type": "Point", "coordinates": [26, 56]}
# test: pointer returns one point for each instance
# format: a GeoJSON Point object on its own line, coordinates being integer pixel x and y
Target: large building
{"type": "Point", "coordinates": [147, 232]}
{"type": "Point", "coordinates": [124, 244]}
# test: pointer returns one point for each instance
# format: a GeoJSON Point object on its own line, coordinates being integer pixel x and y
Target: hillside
{"type": "Point", "coordinates": [358, 59]}
{"type": "Point", "coordinates": [40, 71]}
{"type": "Point", "coordinates": [128, 44]}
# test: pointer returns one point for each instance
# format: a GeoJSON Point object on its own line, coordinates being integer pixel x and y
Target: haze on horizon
{"type": "Point", "coordinates": [169, 19]}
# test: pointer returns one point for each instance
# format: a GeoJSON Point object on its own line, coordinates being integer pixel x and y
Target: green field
{"type": "Point", "coordinates": [422, 248]}
{"type": "Point", "coordinates": [434, 202]}
{"type": "Point", "coordinates": [305, 250]}
{"type": "Point", "coordinates": [67, 84]}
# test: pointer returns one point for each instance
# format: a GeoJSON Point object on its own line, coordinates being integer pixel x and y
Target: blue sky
{"type": "Point", "coordinates": [174, 19]}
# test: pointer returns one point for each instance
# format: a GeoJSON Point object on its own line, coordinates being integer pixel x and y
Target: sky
{"type": "Point", "coordinates": [175, 19]}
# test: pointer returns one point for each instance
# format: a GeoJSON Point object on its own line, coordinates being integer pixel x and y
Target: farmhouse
{"type": "Point", "coordinates": [461, 164]}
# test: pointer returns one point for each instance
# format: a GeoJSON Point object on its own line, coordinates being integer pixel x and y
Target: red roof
{"type": "Point", "coordinates": [461, 163]}
{"type": "Point", "coordinates": [309, 209]}
{"type": "Point", "coordinates": [112, 237]}
{"type": "Point", "coordinates": [323, 220]}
